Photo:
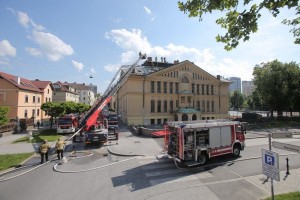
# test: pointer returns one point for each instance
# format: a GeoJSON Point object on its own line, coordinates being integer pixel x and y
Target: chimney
{"type": "Point", "coordinates": [18, 80]}
{"type": "Point", "coordinates": [149, 59]}
{"type": "Point", "coordinates": [218, 77]}
{"type": "Point", "coordinates": [176, 61]}
{"type": "Point", "coordinates": [164, 59]}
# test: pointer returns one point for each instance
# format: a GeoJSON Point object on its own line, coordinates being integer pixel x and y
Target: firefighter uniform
{"type": "Point", "coordinates": [60, 145]}
{"type": "Point", "coordinates": [44, 151]}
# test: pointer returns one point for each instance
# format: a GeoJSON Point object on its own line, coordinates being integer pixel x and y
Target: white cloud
{"type": "Point", "coordinates": [51, 46]}
{"type": "Point", "coordinates": [23, 19]}
{"type": "Point", "coordinates": [112, 68]}
{"type": "Point", "coordinates": [148, 11]}
{"type": "Point", "coordinates": [79, 66]}
{"type": "Point", "coordinates": [133, 41]}
{"type": "Point", "coordinates": [34, 51]}
{"type": "Point", "coordinates": [93, 71]}
{"type": "Point", "coordinates": [6, 49]}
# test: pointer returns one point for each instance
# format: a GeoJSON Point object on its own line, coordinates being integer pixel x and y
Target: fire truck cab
{"type": "Point", "coordinates": [194, 142]}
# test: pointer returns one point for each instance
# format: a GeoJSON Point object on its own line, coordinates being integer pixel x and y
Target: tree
{"type": "Point", "coordinates": [240, 24]}
{"type": "Point", "coordinates": [53, 109]}
{"type": "Point", "coordinates": [3, 114]}
{"type": "Point", "coordinates": [278, 85]}
{"type": "Point", "coordinates": [236, 100]}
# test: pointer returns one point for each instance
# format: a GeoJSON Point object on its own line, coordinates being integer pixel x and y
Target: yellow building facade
{"type": "Point", "coordinates": [157, 92]}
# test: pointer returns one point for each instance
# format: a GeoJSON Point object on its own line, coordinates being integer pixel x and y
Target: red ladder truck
{"type": "Point", "coordinates": [194, 142]}
{"type": "Point", "coordinates": [89, 120]}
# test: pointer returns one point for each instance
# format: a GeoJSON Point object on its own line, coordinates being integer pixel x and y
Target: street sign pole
{"type": "Point", "coordinates": [270, 148]}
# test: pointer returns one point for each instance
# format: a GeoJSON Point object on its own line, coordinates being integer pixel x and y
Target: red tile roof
{"type": "Point", "coordinates": [21, 83]}
{"type": "Point", "coordinates": [41, 84]}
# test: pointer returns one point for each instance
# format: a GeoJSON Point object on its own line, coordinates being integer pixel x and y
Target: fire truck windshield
{"type": "Point", "coordinates": [64, 121]}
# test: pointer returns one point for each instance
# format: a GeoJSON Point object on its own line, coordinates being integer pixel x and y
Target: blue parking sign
{"type": "Point", "coordinates": [269, 159]}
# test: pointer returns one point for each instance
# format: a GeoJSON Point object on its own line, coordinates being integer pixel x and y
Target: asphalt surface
{"type": "Point", "coordinates": [132, 145]}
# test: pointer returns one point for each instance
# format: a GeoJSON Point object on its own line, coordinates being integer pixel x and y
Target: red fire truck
{"type": "Point", "coordinates": [194, 142]}
{"type": "Point", "coordinates": [67, 124]}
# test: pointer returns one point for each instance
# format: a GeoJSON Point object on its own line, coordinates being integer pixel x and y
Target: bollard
{"type": "Point", "coordinates": [287, 166]}
{"type": "Point", "coordinates": [117, 136]}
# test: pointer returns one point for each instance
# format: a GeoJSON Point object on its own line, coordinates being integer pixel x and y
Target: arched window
{"type": "Point", "coordinates": [184, 80]}
{"type": "Point", "coordinates": [184, 117]}
{"type": "Point", "coordinates": [194, 117]}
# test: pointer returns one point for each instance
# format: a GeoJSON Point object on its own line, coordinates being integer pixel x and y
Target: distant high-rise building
{"type": "Point", "coordinates": [247, 88]}
{"type": "Point", "coordinates": [235, 84]}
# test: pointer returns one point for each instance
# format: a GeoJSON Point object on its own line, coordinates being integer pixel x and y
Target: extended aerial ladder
{"type": "Point", "coordinates": [118, 80]}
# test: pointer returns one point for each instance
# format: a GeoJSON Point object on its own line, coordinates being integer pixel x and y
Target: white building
{"type": "Point", "coordinates": [247, 88]}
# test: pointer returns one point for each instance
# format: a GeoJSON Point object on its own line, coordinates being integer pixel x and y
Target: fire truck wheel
{"type": "Point", "coordinates": [236, 151]}
{"type": "Point", "coordinates": [202, 158]}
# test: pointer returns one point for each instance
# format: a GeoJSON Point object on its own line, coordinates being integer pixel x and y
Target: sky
{"type": "Point", "coordinates": [72, 40]}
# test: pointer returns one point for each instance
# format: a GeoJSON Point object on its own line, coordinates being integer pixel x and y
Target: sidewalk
{"type": "Point", "coordinates": [8, 147]}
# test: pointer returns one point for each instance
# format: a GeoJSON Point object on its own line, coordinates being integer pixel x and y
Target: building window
{"type": "Point", "coordinates": [159, 106]}
{"type": "Point", "coordinates": [207, 106]}
{"type": "Point", "coordinates": [152, 121]}
{"type": "Point", "coordinates": [193, 90]}
{"type": "Point", "coordinates": [182, 99]}
{"type": "Point", "coordinates": [189, 99]}
{"type": "Point", "coordinates": [165, 106]}
{"type": "Point", "coordinates": [152, 86]}
{"type": "Point", "coordinates": [203, 89]}
{"type": "Point", "coordinates": [33, 99]}
{"type": "Point", "coordinates": [165, 120]}
{"type": "Point", "coordinates": [152, 106]}
{"type": "Point", "coordinates": [38, 112]}
{"type": "Point", "coordinates": [2, 97]}
{"type": "Point", "coordinates": [165, 87]}
{"type": "Point", "coordinates": [212, 90]}
{"type": "Point", "coordinates": [177, 103]}
{"type": "Point", "coordinates": [49, 99]}
{"type": "Point", "coordinates": [198, 105]}
{"type": "Point", "coordinates": [207, 89]}
{"type": "Point", "coordinates": [213, 106]}
{"type": "Point", "coordinates": [171, 106]}
{"type": "Point", "coordinates": [39, 100]}
{"type": "Point", "coordinates": [176, 88]}
{"type": "Point", "coordinates": [171, 87]}
{"type": "Point", "coordinates": [46, 99]}
{"type": "Point", "coordinates": [203, 106]}
{"type": "Point", "coordinates": [158, 87]}
{"type": "Point", "coordinates": [185, 80]}
{"type": "Point", "coordinates": [48, 91]}
{"type": "Point", "coordinates": [25, 114]}
{"type": "Point", "coordinates": [198, 89]}
{"type": "Point", "coordinates": [158, 121]}
{"type": "Point", "coordinates": [26, 98]}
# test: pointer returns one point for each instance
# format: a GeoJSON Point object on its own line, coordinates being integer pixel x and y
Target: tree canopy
{"type": "Point", "coordinates": [278, 85]}
{"type": "Point", "coordinates": [241, 20]}
{"type": "Point", "coordinates": [3, 114]}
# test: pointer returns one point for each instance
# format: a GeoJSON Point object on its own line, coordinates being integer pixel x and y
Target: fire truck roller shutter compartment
{"type": "Point", "coordinates": [225, 136]}
{"type": "Point", "coordinates": [215, 137]}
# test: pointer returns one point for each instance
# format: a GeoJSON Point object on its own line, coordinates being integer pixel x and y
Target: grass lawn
{"type": "Point", "coordinates": [11, 160]}
{"type": "Point", "coordinates": [50, 135]}
{"type": "Point", "coordinates": [287, 196]}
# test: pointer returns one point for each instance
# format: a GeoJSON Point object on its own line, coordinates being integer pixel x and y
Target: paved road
{"type": "Point", "coordinates": [98, 175]}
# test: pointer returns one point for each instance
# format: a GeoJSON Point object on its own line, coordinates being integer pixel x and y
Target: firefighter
{"type": "Point", "coordinates": [44, 151]}
{"type": "Point", "coordinates": [60, 145]}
